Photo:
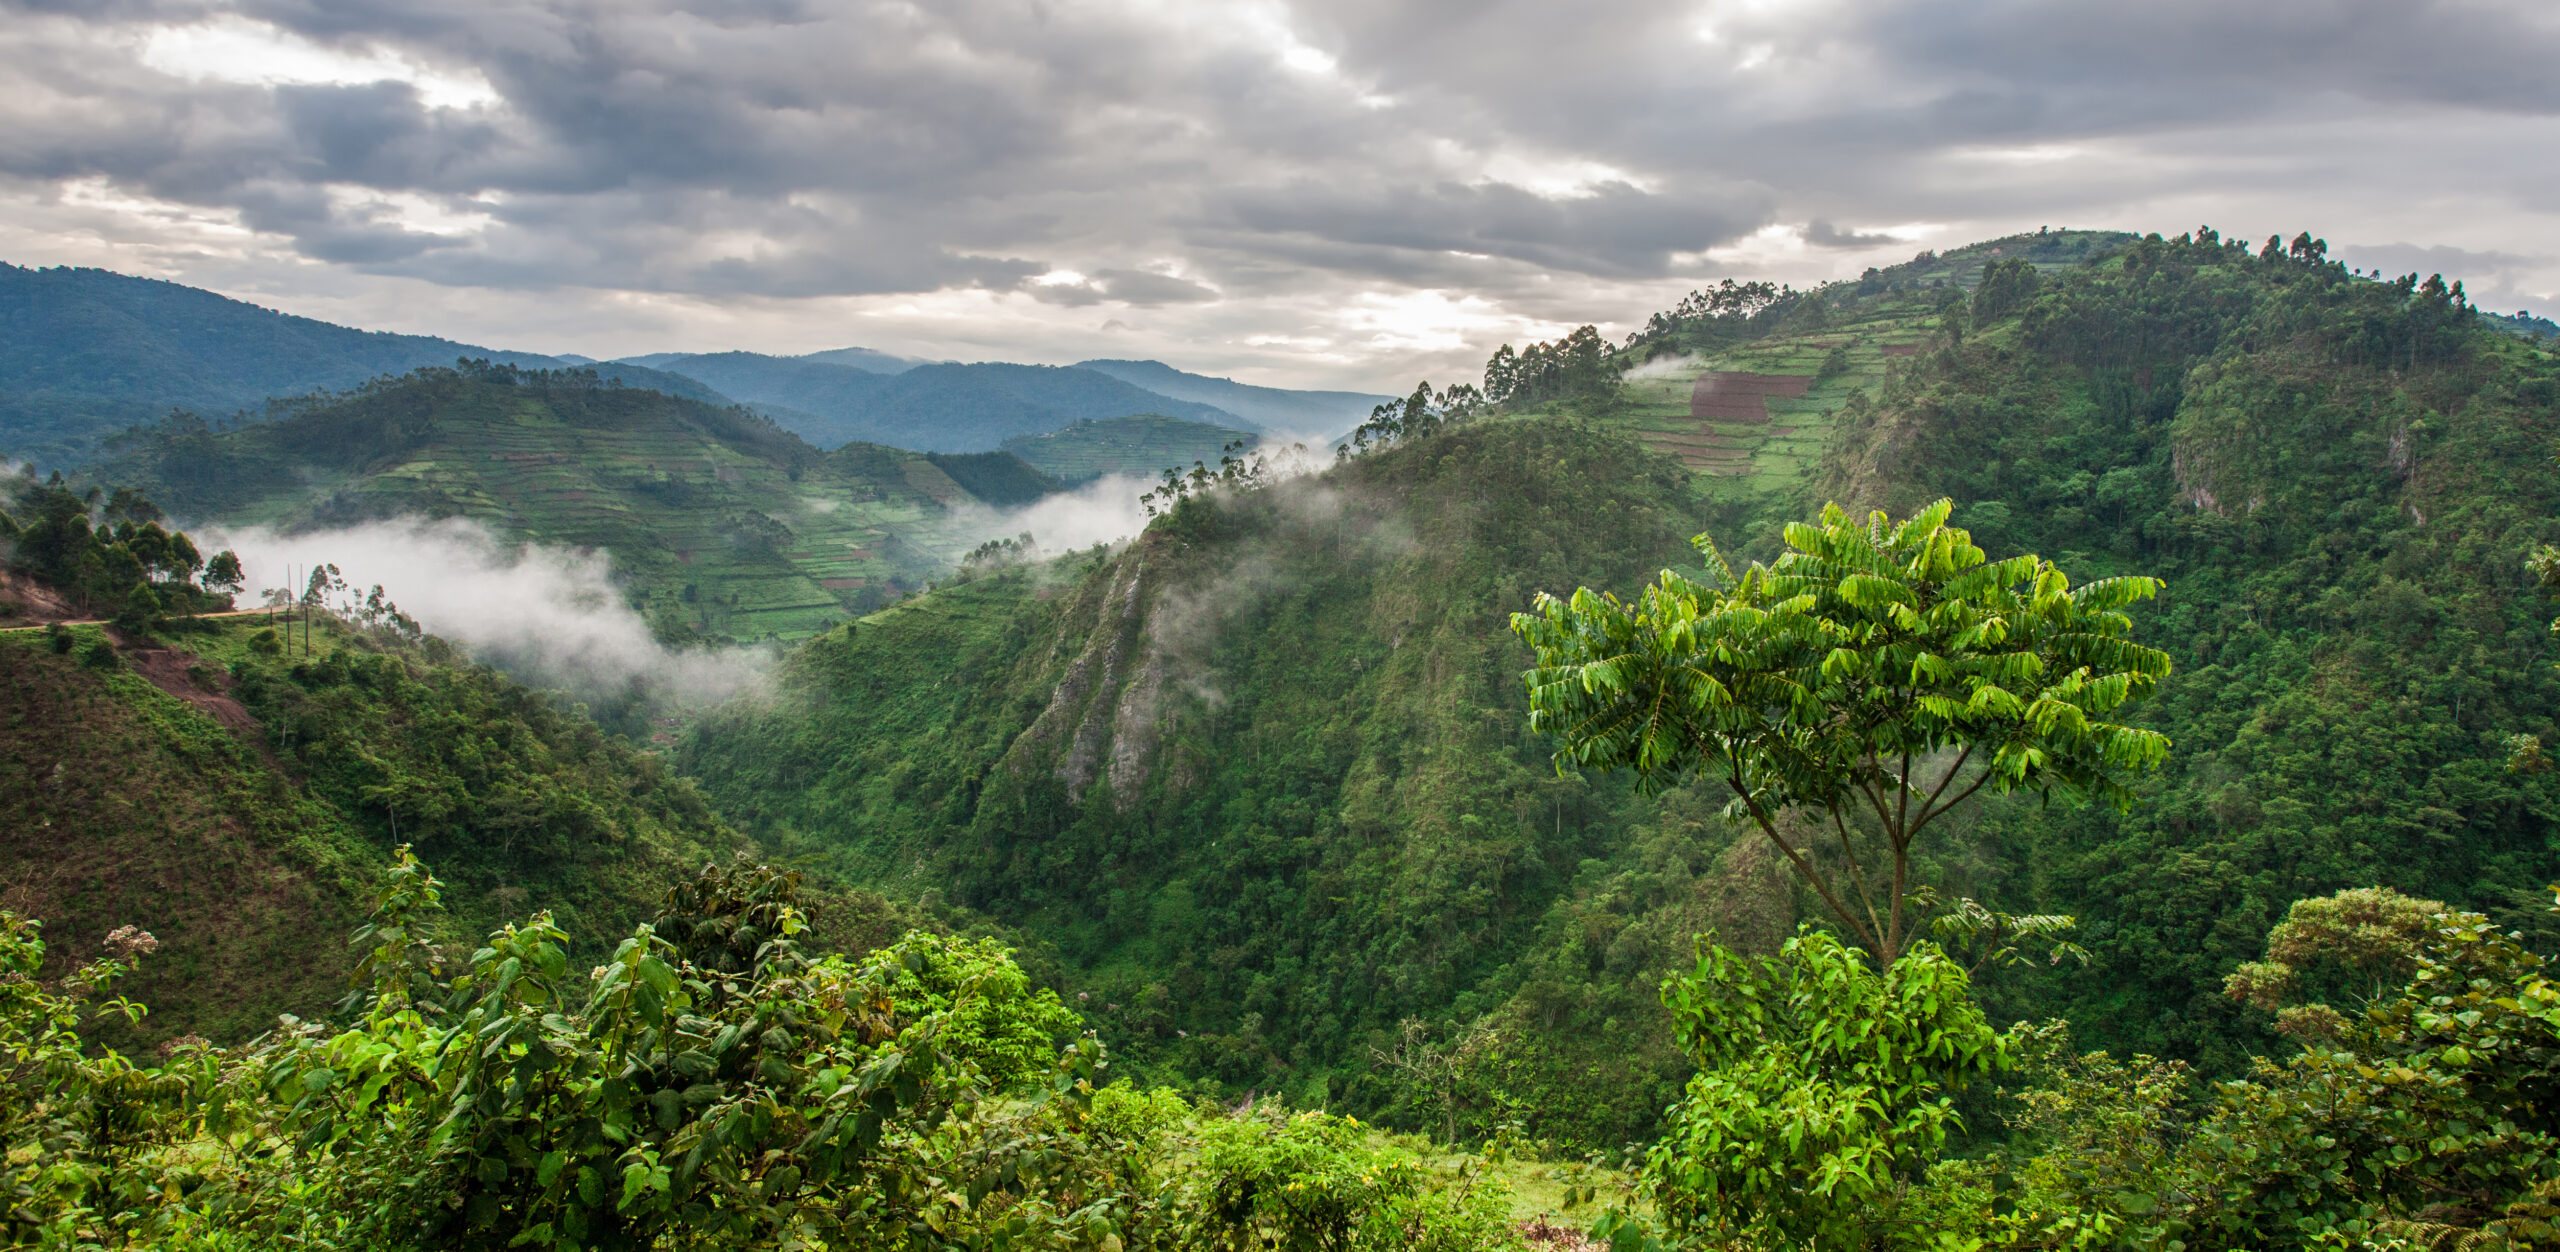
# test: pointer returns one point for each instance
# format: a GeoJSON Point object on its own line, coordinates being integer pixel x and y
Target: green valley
{"type": "Point", "coordinates": [2046, 745]}
{"type": "Point", "coordinates": [721, 524]}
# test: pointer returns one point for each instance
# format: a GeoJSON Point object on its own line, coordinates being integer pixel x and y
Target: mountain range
{"type": "Point", "coordinates": [943, 407]}
{"type": "Point", "coordinates": [87, 352]}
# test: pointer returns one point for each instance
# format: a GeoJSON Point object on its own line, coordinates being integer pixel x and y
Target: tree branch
{"type": "Point", "coordinates": [1941, 788]}
{"type": "Point", "coordinates": [1803, 867]}
{"type": "Point", "coordinates": [1857, 875]}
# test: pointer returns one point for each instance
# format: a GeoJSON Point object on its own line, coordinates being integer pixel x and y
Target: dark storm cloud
{"type": "Point", "coordinates": [1138, 288]}
{"type": "Point", "coordinates": [1822, 234]}
{"type": "Point", "coordinates": [1614, 230]}
{"type": "Point", "coordinates": [1206, 163]}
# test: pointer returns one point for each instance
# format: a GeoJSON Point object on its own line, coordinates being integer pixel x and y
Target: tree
{"type": "Point", "coordinates": [2006, 287]}
{"type": "Point", "coordinates": [1877, 673]}
{"type": "Point", "coordinates": [223, 574]}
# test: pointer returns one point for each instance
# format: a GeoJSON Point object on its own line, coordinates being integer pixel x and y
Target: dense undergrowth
{"type": "Point", "coordinates": [711, 1084]}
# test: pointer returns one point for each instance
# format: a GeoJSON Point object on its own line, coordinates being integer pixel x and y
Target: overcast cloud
{"type": "Point", "coordinates": [1324, 193]}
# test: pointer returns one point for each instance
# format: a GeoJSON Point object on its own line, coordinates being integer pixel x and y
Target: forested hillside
{"type": "Point", "coordinates": [2340, 480]}
{"type": "Point", "coordinates": [946, 407]}
{"type": "Point", "coordinates": [231, 781]}
{"type": "Point", "coordinates": [2246, 779]}
{"type": "Point", "coordinates": [84, 353]}
{"type": "Point", "coordinates": [1263, 780]}
{"type": "Point", "coordinates": [1139, 447]}
{"type": "Point", "coordinates": [720, 523]}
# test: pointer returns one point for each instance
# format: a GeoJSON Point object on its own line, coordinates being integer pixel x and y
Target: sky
{"type": "Point", "coordinates": [1330, 193]}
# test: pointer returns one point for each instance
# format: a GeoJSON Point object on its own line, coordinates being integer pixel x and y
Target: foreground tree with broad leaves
{"type": "Point", "coordinates": [1872, 678]}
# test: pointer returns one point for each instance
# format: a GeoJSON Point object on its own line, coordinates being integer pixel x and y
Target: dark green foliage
{"type": "Point", "coordinates": [1575, 368]}
{"type": "Point", "coordinates": [2005, 286]}
{"type": "Point", "coordinates": [221, 805]}
{"type": "Point", "coordinates": [946, 407]}
{"type": "Point", "coordinates": [1726, 313]}
{"type": "Point", "coordinates": [2338, 479]}
{"type": "Point", "coordinates": [1418, 415]}
{"type": "Point", "coordinates": [85, 352]}
{"type": "Point", "coordinates": [1320, 814]}
{"type": "Point", "coordinates": [712, 1084]}
{"type": "Point", "coordinates": [518, 798]}
{"type": "Point", "coordinates": [122, 804]}
{"type": "Point", "coordinates": [999, 478]}
{"type": "Point", "coordinates": [109, 555]}
{"type": "Point", "coordinates": [1139, 447]}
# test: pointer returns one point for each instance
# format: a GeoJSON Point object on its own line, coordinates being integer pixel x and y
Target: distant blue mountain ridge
{"type": "Point", "coordinates": [87, 352]}
{"type": "Point", "coordinates": [953, 407]}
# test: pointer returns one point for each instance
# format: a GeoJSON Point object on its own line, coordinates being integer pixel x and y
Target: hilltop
{"type": "Point", "coordinates": [86, 352]}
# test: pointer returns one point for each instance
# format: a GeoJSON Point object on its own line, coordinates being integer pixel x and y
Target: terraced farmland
{"type": "Point", "coordinates": [1751, 419]}
{"type": "Point", "coordinates": [719, 524]}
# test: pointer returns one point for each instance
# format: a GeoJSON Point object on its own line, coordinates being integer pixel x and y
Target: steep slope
{"type": "Point", "coordinates": [84, 352]}
{"type": "Point", "coordinates": [1140, 446]}
{"type": "Point", "coordinates": [1262, 778]}
{"type": "Point", "coordinates": [237, 800]}
{"type": "Point", "coordinates": [719, 523]}
{"type": "Point", "coordinates": [2340, 480]}
{"type": "Point", "coordinates": [932, 408]}
{"type": "Point", "coordinates": [1275, 409]}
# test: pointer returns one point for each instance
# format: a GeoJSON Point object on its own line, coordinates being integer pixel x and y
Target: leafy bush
{"type": "Point", "coordinates": [709, 1085]}
{"type": "Point", "coordinates": [1823, 1085]}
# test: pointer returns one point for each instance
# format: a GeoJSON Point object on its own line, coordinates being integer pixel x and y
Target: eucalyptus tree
{"type": "Point", "coordinates": [1877, 673]}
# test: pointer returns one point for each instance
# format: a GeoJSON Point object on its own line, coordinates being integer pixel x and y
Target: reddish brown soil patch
{"type": "Point", "coordinates": [1734, 396]}
{"type": "Point", "coordinates": [842, 584]}
{"type": "Point", "coordinates": [167, 670]}
{"type": "Point", "coordinates": [1902, 349]}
